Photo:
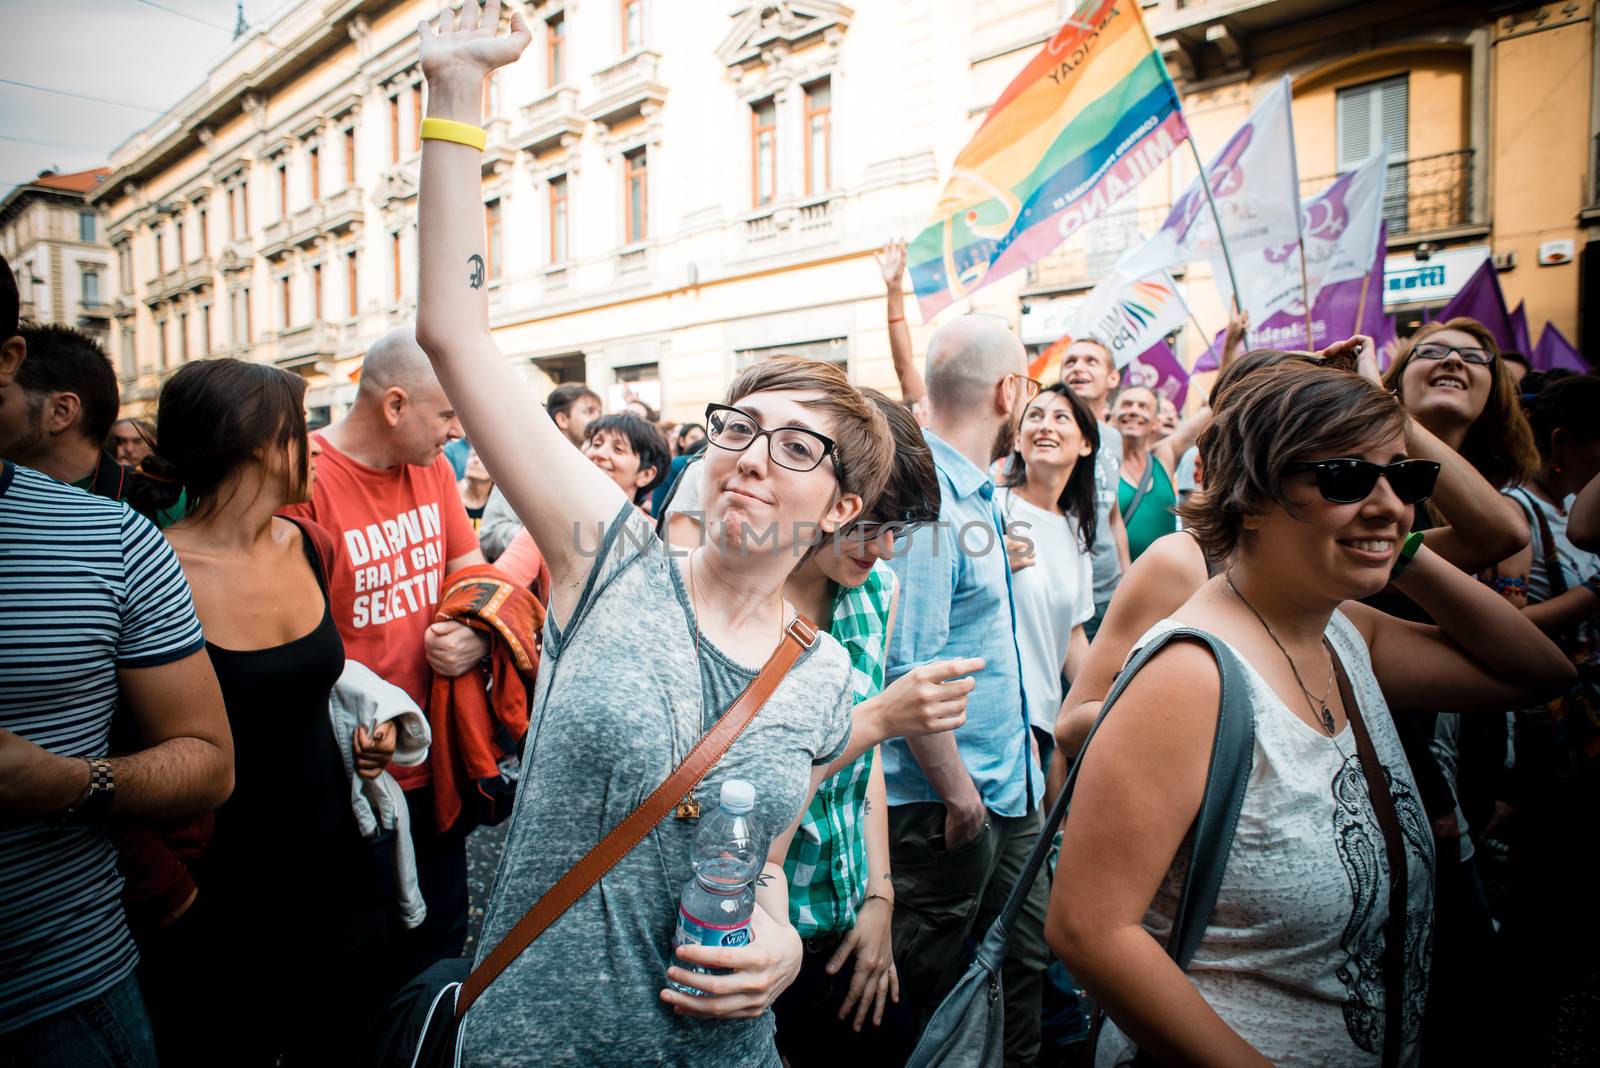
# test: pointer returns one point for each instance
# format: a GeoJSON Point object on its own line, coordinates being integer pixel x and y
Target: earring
{"type": "Point", "coordinates": [1555, 469]}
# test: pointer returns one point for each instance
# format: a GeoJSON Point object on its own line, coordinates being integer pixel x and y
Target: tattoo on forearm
{"type": "Point", "coordinates": [866, 806]}
{"type": "Point", "coordinates": [475, 279]}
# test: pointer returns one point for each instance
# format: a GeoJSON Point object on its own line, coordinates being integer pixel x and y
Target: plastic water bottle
{"type": "Point", "coordinates": [718, 901]}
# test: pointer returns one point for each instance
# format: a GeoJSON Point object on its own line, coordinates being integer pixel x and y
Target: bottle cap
{"type": "Point", "coordinates": [738, 796]}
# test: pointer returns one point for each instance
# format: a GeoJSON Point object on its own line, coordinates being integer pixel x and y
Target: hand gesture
{"type": "Point", "coordinates": [373, 749]}
{"type": "Point", "coordinates": [874, 982]}
{"type": "Point", "coordinates": [1359, 350]}
{"type": "Point", "coordinates": [472, 47]}
{"type": "Point", "coordinates": [892, 264]}
{"type": "Point", "coordinates": [453, 647]}
{"type": "Point", "coordinates": [929, 699]}
{"type": "Point", "coordinates": [761, 971]}
{"type": "Point", "coordinates": [1237, 336]}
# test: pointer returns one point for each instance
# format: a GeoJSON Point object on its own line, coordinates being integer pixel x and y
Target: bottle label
{"type": "Point", "coordinates": [692, 931]}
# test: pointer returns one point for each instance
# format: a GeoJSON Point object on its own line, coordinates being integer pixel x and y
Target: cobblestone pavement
{"type": "Point", "coordinates": [483, 856]}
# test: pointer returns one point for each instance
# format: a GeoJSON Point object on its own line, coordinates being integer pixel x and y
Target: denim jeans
{"type": "Point", "coordinates": [108, 1031]}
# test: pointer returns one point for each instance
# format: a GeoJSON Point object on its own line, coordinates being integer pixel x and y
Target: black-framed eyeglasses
{"type": "Point", "coordinates": [1346, 480]}
{"type": "Point", "coordinates": [1436, 350]}
{"type": "Point", "coordinates": [791, 447]}
{"type": "Point", "coordinates": [867, 531]}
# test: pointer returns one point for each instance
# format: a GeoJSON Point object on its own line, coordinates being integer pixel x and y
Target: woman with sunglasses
{"type": "Point", "coordinates": [1307, 501]}
{"type": "Point", "coordinates": [1047, 499]}
{"type": "Point", "coordinates": [644, 649]}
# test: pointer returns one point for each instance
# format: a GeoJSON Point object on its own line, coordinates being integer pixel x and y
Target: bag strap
{"type": "Point", "coordinates": [1227, 776]}
{"type": "Point", "coordinates": [1145, 484]}
{"type": "Point", "coordinates": [800, 635]}
{"type": "Point", "coordinates": [1547, 543]}
{"type": "Point", "coordinates": [1394, 934]}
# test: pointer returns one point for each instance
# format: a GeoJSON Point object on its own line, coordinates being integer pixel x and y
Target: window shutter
{"type": "Point", "coordinates": [1354, 119]}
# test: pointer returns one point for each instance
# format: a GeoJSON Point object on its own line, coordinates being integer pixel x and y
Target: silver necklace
{"type": "Point", "coordinates": [1318, 708]}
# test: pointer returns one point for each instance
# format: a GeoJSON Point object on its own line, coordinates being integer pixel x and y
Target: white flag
{"type": "Point", "coordinates": [1339, 227]}
{"type": "Point", "coordinates": [1130, 315]}
{"type": "Point", "coordinates": [1254, 185]}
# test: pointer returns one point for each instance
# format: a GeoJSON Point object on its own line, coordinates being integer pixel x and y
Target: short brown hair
{"type": "Point", "coordinates": [1277, 415]}
{"type": "Point", "coordinates": [1499, 444]}
{"type": "Point", "coordinates": [865, 451]}
{"type": "Point", "coordinates": [912, 492]}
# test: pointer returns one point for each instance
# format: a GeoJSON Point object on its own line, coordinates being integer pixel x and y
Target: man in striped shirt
{"type": "Point", "coordinates": [93, 607]}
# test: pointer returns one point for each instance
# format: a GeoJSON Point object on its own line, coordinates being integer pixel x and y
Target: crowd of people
{"type": "Point", "coordinates": [258, 685]}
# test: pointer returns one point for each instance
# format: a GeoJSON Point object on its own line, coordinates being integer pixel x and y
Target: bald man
{"type": "Point", "coordinates": [386, 493]}
{"type": "Point", "coordinates": [964, 807]}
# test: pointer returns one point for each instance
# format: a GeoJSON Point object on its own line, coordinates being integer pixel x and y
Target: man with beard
{"type": "Point", "coordinates": [1087, 370]}
{"type": "Point", "coordinates": [964, 806]}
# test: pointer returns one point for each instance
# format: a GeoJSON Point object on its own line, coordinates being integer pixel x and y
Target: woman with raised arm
{"type": "Point", "coordinates": [645, 648]}
{"type": "Point", "coordinates": [1308, 498]}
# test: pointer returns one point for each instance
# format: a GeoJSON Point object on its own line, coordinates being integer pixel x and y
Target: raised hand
{"type": "Point", "coordinates": [892, 264]}
{"type": "Point", "coordinates": [471, 47]}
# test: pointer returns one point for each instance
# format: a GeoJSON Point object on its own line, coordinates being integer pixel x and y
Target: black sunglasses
{"type": "Point", "coordinates": [1349, 481]}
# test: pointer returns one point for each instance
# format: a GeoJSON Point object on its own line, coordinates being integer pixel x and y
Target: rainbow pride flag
{"type": "Point", "coordinates": [1087, 119]}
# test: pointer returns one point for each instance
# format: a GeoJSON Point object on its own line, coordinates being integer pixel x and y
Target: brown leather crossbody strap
{"type": "Point", "coordinates": [800, 635]}
{"type": "Point", "coordinates": [1394, 932]}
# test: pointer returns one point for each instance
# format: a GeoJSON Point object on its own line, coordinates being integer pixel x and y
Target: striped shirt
{"type": "Point", "coordinates": [86, 587]}
{"type": "Point", "coordinates": [827, 861]}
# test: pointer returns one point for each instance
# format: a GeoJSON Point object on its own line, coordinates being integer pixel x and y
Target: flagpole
{"type": "Point", "coordinates": [1222, 238]}
{"type": "Point", "coordinates": [1192, 318]}
{"type": "Point", "coordinates": [1305, 296]}
{"type": "Point", "coordinates": [1361, 308]}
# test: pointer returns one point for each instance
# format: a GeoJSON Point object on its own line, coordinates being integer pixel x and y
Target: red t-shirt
{"type": "Point", "coordinates": [394, 532]}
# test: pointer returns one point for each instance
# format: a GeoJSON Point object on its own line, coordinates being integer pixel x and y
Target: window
{"type": "Point", "coordinates": [314, 173]}
{"type": "Point", "coordinates": [636, 221]}
{"type": "Point", "coordinates": [632, 25]}
{"type": "Point", "coordinates": [351, 289]}
{"type": "Point", "coordinates": [394, 128]}
{"type": "Point", "coordinates": [129, 354]}
{"type": "Point", "coordinates": [236, 318]}
{"type": "Point", "coordinates": [205, 330]}
{"type": "Point", "coordinates": [416, 117]}
{"type": "Point", "coordinates": [492, 245]}
{"type": "Point", "coordinates": [316, 291]}
{"type": "Point", "coordinates": [349, 156]}
{"type": "Point", "coordinates": [125, 267]}
{"type": "Point", "coordinates": [179, 244]}
{"type": "Point", "coordinates": [161, 253]}
{"type": "Point", "coordinates": [1365, 115]}
{"type": "Point", "coordinates": [394, 258]}
{"type": "Point", "coordinates": [183, 337]}
{"type": "Point", "coordinates": [819, 148]}
{"type": "Point", "coordinates": [283, 190]}
{"type": "Point", "coordinates": [86, 227]}
{"type": "Point", "coordinates": [555, 50]}
{"type": "Point", "coordinates": [286, 299]}
{"type": "Point", "coordinates": [233, 215]}
{"type": "Point", "coordinates": [558, 219]}
{"type": "Point", "coordinates": [764, 152]}
{"type": "Point", "coordinates": [161, 342]}
{"type": "Point", "coordinates": [204, 217]}
{"type": "Point", "coordinates": [88, 289]}
{"type": "Point", "coordinates": [244, 208]}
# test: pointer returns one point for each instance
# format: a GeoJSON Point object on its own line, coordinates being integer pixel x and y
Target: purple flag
{"type": "Point", "coordinates": [1385, 339]}
{"type": "Point", "coordinates": [1519, 332]}
{"type": "Point", "coordinates": [1482, 300]}
{"type": "Point", "coordinates": [1158, 369]}
{"type": "Point", "coordinates": [1555, 352]}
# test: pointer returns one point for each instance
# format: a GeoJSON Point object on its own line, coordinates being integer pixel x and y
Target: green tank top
{"type": "Point", "coordinates": [1155, 518]}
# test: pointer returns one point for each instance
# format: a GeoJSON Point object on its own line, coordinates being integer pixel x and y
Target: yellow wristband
{"type": "Point", "coordinates": [462, 133]}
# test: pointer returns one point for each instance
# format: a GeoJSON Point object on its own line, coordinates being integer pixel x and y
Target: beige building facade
{"type": "Point", "coordinates": [54, 240]}
{"type": "Point", "coordinates": [672, 190]}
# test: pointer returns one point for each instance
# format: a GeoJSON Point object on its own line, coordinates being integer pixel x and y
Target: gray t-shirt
{"type": "Point", "coordinates": [619, 702]}
{"type": "Point", "coordinates": [1103, 553]}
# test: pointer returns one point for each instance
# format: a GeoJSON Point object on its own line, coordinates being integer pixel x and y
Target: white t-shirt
{"type": "Point", "coordinates": [1050, 598]}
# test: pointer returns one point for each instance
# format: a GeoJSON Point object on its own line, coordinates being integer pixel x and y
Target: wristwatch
{"type": "Point", "coordinates": [96, 799]}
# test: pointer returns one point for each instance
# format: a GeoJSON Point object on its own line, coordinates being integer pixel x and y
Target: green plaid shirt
{"type": "Point", "coordinates": [827, 861]}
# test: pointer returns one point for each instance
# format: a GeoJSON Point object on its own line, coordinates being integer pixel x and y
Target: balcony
{"type": "Point", "coordinates": [777, 228]}
{"type": "Point", "coordinates": [275, 238]}
{"type": "Point", "coordinates": [627, 88]}
{"type": "Point", "coordinates": [155, 291]}
{"type": "Point", "coordinates": [196, 274]}
{"type": "Point", "coordinates": [1422, 195]}
{"type": "Point", "coordinates": [549, 121]}
{"type": "Point", "coordinates": [236, 255]}
{"type": "Point", "coordinates": [94, 312]}
{"type": "Point", "coordinates": [306, 226]}
{"type": "Point", "coordinates": [342, 210]}
{"type": "Point", "coordinates": [633, 259]}
{"type": "Point", "coordinates": [303, 348]}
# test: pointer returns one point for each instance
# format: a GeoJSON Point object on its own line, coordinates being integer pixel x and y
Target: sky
{"type": "Point", "coordinates": [137, 54]}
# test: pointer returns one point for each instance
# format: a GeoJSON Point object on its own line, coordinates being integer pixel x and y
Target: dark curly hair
{"type": "Point", "coordinates": [647, 443]}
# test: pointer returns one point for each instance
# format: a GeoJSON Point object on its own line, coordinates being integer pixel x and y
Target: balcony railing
{"type": "Point", "coordinates": [549, 120]}
{"type": "Point", "coordinates": [307, 343]}
{"type": "Point", "coordinates": [275, 238]}
{"type": "Point", "coordinates": [1421, 194]}
{"type": "Point", "coordinates": [626, 88]}
{"type": "Point", "coordinates": [342, 210]}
